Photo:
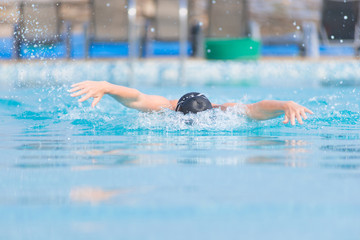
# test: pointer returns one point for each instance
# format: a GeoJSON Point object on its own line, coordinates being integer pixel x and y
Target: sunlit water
{"type": "Point", "coordinates": [70, 171]}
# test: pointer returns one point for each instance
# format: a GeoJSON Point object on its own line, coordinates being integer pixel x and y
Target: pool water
{"type": "Point", "coordinates": [72, 172]}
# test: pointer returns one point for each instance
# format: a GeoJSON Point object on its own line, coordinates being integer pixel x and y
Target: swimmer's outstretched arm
{"type": "Point", "coordinates": [129, 97]}
{"type": "Point", "coordinates": [268, 109]}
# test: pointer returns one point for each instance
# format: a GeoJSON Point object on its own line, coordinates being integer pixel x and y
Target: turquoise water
{"type": "Point", "coordinates": [71, 172]}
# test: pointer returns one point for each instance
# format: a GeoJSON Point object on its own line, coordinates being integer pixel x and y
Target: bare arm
{"type": "Point", "coordinates": [129, 97]}
{"type": "Point", "coordinates": [268, 109]}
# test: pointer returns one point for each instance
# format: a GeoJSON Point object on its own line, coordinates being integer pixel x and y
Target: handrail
{"type": "Point", "coordinates": [183, 37]}
{"type": "Point", "coordinates": [132, 40]}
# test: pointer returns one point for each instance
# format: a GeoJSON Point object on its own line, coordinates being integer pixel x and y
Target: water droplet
{"type": "Point", "coordinates": [220, 28]}
{"type": "Point", "coordinates": [39, 99]}
{"type": "Point", "coordinates": [152, 29]}
{"type": "Point", "coordinates": [298, 27]}
{"type": "Point", "coordinates": [251, 47]}
{"type": "Point", "coordinates": [294, 23]}
{"type": "Point", "coordinates": [341, 41]}
{"type": "Point", "coordinates": [345, 17]}
{"type": "Point", "coordinates": [332, 37]}
{"type": "Point", "coordinates": [213, 2]}
{"type": "Point", "coordinates": [208, 50]}
{"type": "Point", "coordinates": [108, 4]}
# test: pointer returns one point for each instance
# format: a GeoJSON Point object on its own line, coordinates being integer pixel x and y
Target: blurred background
{"type": "Point", "coordinates": [204, 29]}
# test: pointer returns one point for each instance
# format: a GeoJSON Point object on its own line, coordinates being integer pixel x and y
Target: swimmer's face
{"type": "Point", "coordinates": [193, 103]}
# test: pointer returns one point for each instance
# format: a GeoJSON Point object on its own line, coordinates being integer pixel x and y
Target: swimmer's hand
{"type": "Point", "coordinates": [294, 111]}
{"type": "Point", "coordinates": [92, 89]}
{"type": "Point", "coordinates": [268, 109]}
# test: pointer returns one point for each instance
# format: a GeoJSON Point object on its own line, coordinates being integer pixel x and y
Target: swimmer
{"type": "Point", "coordinates": [189, 103]}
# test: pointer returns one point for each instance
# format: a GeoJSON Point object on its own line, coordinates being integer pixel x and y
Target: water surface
{"type": "Point", "coordinates": [70, 171]}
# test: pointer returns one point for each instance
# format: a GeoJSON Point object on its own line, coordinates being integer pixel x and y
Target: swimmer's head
{"type": "Point", "coordinates": [193, 103]}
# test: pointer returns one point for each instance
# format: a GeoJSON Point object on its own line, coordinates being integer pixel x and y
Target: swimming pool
{"type": "Point", "coordinates": [72, 172]}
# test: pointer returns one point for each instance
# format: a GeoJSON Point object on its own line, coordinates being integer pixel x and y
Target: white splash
{"type": "Point", "coordinates": [211, 120]}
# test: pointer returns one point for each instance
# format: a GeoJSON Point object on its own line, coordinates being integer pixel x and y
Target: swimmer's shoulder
{"type": "Point", "coordinates": [223, 106]}
{"type": "Point", "coordinates": [173, 104]}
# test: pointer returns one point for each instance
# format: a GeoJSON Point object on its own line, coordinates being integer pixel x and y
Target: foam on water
{"type": "Point", "coordinates": [198, 73]}
{"type": "Point", "coordinates": [211, 120]}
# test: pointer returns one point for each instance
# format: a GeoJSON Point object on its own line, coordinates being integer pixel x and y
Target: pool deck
{"type": "Point", "coordinates": [267, 71]}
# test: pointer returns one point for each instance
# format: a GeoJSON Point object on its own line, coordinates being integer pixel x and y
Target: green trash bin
{"type": "Point", "coordinates": [232, 49]}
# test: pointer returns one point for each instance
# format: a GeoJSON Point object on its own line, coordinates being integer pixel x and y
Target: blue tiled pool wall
{"type": "Point", "coordinates": [96, 50]}
{"type": "Point", "coordinates": [154, 48]}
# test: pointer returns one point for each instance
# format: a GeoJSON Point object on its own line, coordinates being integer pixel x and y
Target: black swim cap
{"type": "Point", "coordinates": [193, 102]}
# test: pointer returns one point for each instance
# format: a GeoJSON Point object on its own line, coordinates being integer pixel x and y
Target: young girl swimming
{"type": "Point", "coordinates": [189, 103]}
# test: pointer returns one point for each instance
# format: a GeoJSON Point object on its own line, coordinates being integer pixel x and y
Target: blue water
{"type": "Point", "coordinates": [72, 172]}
